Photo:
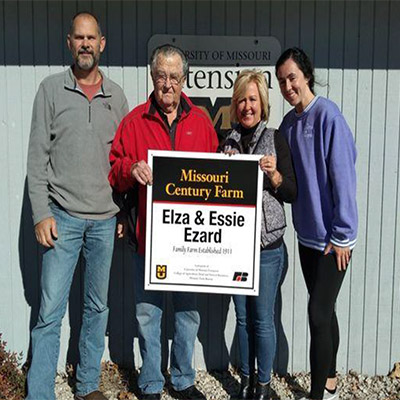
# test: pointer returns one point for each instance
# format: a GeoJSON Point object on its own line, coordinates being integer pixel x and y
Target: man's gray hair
{"type": "Point", "coordinates": [168, 50]}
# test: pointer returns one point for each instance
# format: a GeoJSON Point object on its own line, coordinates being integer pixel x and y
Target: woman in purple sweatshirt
{"type": "Point", "coordinates": [325, 212]}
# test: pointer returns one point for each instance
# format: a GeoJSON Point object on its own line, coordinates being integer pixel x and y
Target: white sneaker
{"type": "Point", "coordinates": [327, 396]}
{"type": "Point", "coordinates": [330, 396]}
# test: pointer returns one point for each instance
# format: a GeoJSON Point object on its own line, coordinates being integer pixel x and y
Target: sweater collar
{"type": "Point", "coordinates": [236, 135]}
{"type": "Point", "coordinates": [307, 109]}
{"type": "Point", "coordinates": [71, 83]}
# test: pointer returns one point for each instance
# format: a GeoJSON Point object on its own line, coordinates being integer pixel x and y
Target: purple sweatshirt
{"type": "Point", "coordinates": [324, 156]}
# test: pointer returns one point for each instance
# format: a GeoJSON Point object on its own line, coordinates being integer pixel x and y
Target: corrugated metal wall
{"type": "Point", "coordinates": [354, 45]}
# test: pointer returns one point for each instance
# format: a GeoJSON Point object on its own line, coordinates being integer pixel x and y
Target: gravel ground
{"type": "Point", "coordinates": [120, 385]}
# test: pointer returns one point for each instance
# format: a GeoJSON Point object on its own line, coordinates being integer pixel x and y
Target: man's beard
{"type": "Point", "coordinates": [87, 63]}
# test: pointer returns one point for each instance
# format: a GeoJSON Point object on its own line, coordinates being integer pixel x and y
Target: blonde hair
{"type": "Point", "coordinates": [244, 78]}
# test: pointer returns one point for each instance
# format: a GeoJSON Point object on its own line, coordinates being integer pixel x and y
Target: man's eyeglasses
{"type": "Point", "coordinates": [174, 80]}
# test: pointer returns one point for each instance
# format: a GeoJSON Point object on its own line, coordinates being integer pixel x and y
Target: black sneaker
{"type": "Point", "coordinates": [150, 396]}
{"type": "Point", "coordinates": [246, 391]}
{"type": "Point", "coordinates": [188, 394]}
{"type": "Point", "coordinates": [262, 392]}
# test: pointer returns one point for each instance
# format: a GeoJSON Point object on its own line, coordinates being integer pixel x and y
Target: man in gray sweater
{"type": "Point", "coordinates": [75, 116]}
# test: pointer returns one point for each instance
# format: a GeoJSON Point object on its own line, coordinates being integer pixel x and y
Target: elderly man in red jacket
{"type": "Point", "coordinates": [167, 121]}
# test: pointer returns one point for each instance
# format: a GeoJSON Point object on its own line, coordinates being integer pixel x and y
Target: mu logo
{"type": "Point", "coordinates": [218, 113]}
{"type": "Point", "coordinates": [161, 271]}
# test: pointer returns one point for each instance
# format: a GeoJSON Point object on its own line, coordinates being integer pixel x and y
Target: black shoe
{"type": "Point", "coordinates": [150, 396]}
{"type": "Point", "coordinates": [190, 393]}
{"type": "Point", "coordinates": [246, 388]}
{"type": "Point", "coordinates": [262, 392]}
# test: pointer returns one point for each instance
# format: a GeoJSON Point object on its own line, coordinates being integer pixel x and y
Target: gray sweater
{"type": "Point", "coordinates": [70, 141]}
{"type": "Point", "coordinates": [268, 141]}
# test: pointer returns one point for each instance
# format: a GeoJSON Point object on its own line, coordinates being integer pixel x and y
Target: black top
{"type": "Point", "coordinates": [171, 128]}
{"type": "Point", "coordinates": [287, 190]}
{"type": "Point", "coordinates": [247, 135]}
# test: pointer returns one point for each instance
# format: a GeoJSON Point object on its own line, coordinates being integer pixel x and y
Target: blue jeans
{"type": "Point", "coordinates": [149, 309]}
{"type": "Point", "coordinates": [255, 318]}
{"type": "Point", "coordinates": [96, 240]}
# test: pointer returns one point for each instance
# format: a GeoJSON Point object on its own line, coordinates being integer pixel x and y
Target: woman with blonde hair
{"type": "Point", "coordinates": [255, 315]}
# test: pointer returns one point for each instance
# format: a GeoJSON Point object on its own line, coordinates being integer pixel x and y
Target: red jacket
{"type": "Point", "coordinates": [143, 129]}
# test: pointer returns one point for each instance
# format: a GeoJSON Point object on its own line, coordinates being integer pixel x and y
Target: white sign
{"type": "Point", "coordinates": [203, 223]}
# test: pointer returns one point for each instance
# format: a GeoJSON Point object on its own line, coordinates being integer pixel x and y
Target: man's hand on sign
{"type": "Point", "coordinates": [142, 173]}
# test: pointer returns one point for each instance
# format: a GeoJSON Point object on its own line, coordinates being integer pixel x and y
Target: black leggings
{"type": "Point", "coordinates": [323, 280]}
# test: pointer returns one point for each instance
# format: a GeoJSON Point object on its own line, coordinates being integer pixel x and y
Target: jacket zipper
{"type": "Point", "coordinates": [90, 106]}
{"type": "Point", "coordinates": [165, 128]}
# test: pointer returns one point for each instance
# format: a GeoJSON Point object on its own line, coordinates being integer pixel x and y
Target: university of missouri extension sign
{"type": "Point", "coordinates": [215, 62]}
{"type": "Point", "coordinates": [203, 223]}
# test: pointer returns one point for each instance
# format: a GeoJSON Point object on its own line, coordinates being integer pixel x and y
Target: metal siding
{"type": "Point", "coordinates": [11, 173]}
{"type": "Point", "coordinates": [335, 93]}
{"type": "Point", "coordinates": [321, 44]}
{"type": "Point", "coordinates": [5, 317]}
{"type": "Point", "coordinates": [263, 18]}
{"type": "Point", "coordinates": [202, 18]}
{"type": "Point", "coordinates": [307, 27]}
{"type": "Point", "coordinates": [299, 345]}
{"type": "Point", "coordinates": [232, 24]}
{"type": "Point", "coordinates": [56, 41]}
{"type": "Point", "coordinates": [362, 135]}
{"type": "Point", "coordinates": [159, 17]}
{"type": "Point", "coordinates": [348, 308]}
{"type": "Point", "coordinates": [247, 18]}
{"type": "Point", "coordinates": [292, 24]}
{"type": "Point", "coordinates": [375, 229]}
{"type": "Point", "coordinates": [354, 46]}
{"type": "Point", "coordinates": [393, 126]}
{"type": "Point", "coordinates": [389, 198]}
{"type": "Point", "coordinates": [173, 17]}
{"type": "Point", "coordinates": [217, 18]}
{"type": "Point", "coordinates": [188, 23]}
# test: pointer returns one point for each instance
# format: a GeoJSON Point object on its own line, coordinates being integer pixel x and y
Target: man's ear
{"type": "Point", "coordinates": [102, 44]}
{"type": "Point", "coordinates": [69, 41]}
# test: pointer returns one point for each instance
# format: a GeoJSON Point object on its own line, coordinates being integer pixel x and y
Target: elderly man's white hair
{"type": "Point", "coordinates": [168, 50]}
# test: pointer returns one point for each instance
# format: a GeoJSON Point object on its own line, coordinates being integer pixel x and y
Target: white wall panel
{"type": "Point", "coordinates": [393, 126]}
{"type": "Point", "coordinates": [354, 46]}
{"type": "Point", "coordinates": [385, 288]}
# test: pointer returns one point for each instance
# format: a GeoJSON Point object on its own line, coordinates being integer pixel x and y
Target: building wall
{"type": "Point", "coordinates": [354, 45]}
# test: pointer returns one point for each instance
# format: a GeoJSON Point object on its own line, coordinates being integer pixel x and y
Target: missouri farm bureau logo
{"type": "Point", "coordinates": [161, 271]}
{"type": "Point", "coordinates": [240, 276]}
